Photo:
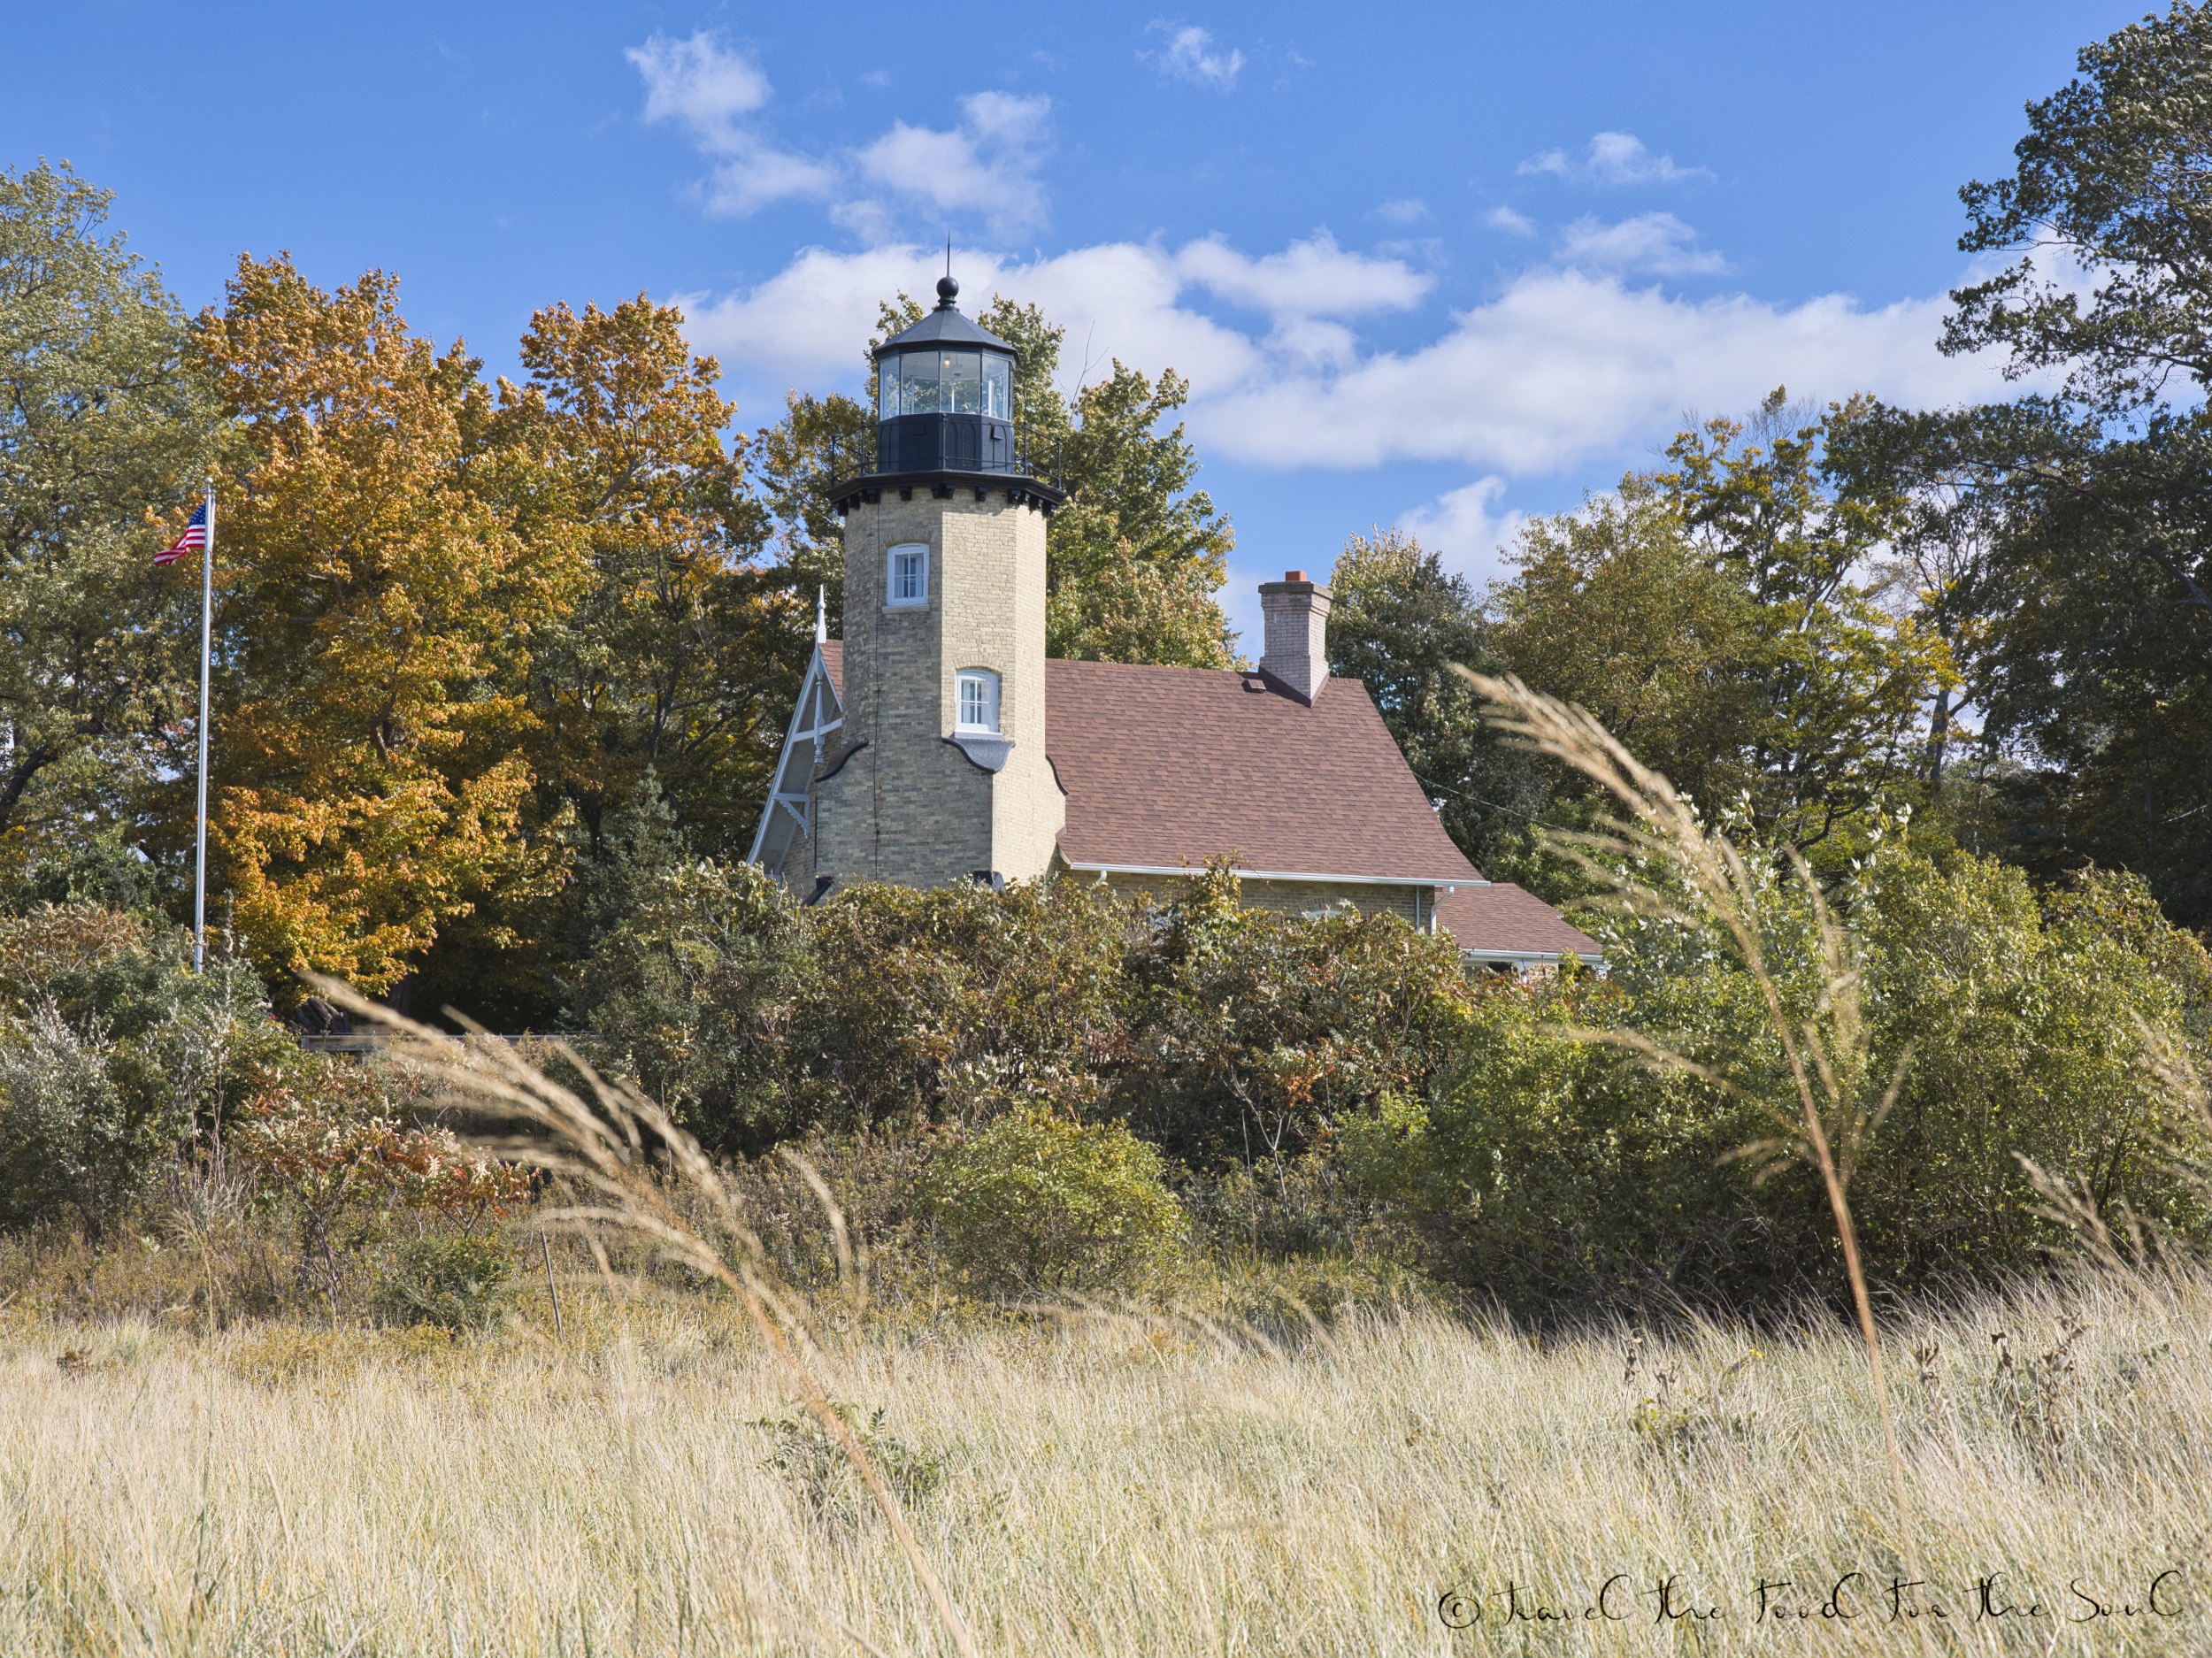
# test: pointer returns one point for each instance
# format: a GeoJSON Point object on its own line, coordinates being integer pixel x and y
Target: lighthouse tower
{"type": "Point", "coordinates": [940, 774]}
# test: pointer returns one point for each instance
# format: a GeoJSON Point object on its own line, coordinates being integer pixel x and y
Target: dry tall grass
{"type": "Point", "coordinates": [1109, 1485]}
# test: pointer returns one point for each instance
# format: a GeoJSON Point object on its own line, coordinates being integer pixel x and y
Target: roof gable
{"type": "Point", "coordinates": [1165, 768]}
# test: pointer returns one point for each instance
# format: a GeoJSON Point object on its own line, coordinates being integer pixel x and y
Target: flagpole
{"type": "Point", "coordinates": [207, 618]}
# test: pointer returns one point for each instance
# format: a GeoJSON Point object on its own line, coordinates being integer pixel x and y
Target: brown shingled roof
{"type": "Point", "coordinates": [1506, 918]}
{"type": "Point", "coordinates": [833, 660]}
{"type": "Point", "coordinates": [1167, 767]}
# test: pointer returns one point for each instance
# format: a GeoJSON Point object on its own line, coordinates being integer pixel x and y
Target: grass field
{"type": "Point", "coordinates": [1108, 1484]}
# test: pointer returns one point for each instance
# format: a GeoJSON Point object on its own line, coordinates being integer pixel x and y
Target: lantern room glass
{"type": "Point", "coordinates": [944, 382]}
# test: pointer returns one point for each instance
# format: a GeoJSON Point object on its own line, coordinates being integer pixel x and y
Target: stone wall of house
{"type": "Point", "coordinates": [911, 807]}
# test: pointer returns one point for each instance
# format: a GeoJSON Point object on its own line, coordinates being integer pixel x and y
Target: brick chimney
{"type": "Point", "coordinates": [1296, 656]}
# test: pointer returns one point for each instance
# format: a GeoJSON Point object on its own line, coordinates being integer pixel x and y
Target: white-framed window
{"type": "Point", "coordinates": [906, 575]}
{"type": "Point", "coordinates": [976, 690]}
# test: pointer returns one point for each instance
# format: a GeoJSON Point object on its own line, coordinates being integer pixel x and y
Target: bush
{"type": "Point", "coordinates": [693, 992]}
{"type": "Point", "coordinates": [1256, 1037]}
{"type": "Point", "coordinates": [1545, 1170]}
{"type": "Point", "coordinates": [1038, 1203]}
{"type": "Point", "coordinates": [455, 1282]}
{"type": "Point", "coordinates": [71, 1140]}
{"type": "Point", "coordinates": [113, 1055]}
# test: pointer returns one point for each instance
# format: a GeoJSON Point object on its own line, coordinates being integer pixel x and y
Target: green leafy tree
{"type": "Point", "coordinates": [1399, 622]}
{"type": "Point", "coordinates": [105, 428]}
{"type": "Point", "coordinates": [2110, 182]}
{"type": "Point", "coordinates": [1614, 608]}
{"type": "Point", "coordinates": [1839, 683]}
{"type": "Point", "coordinates": [794, 462]}
{"type": "Point", "coordinates": [2103, 650]}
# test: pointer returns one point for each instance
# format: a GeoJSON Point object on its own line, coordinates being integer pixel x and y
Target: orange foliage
{"type": "Point", "coordinates": [378, 606]}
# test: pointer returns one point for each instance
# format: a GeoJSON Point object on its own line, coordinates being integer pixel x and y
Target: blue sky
{"type": "Point", "coordinates": [1437, 267]}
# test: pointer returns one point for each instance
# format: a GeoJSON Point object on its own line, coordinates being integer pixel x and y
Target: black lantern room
{"type": "Point", "coordinates": [945, 395]}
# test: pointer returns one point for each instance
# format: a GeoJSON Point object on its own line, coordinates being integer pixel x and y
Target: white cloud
{"type": "Point", "coordinates": [806, 326]}
{"type": "Point", "coordinates": [704, 87]}
{"type": "Point", "coordinates": [1406, 211]}
{"type": "Point", "coordinates": [1566, 365]}
{"type": "Point", "coordinates": [1313, 278]}
{"type": "Point", "coordinates": [1565, 368]}
{"type": "Point", "coordinates": [1190, 55]}
{"type": "Point", "coordinates": [701, 84]}
{"type": "Point", "coordinates": [1614, 158]}
{"type": "Point", "coordinates": [1657, 243]}
{"type": "Point", "coordinates": [1465, 526]}
{"type": "Point", "coordinates": [758, 174]}
{"type": "Point", "coordinates": [1506, 218]}
{"type": "Point", "coordinates": [989, 164]}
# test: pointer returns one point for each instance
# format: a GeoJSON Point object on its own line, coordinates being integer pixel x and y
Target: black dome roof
{"type": "Point", "coordinates": [945, 326]}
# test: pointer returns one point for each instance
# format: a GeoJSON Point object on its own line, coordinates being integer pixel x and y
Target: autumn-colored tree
{"type": "Point", "coordinates": [379, 608]}
{"type": "Point", "coordinates": [668, 659]}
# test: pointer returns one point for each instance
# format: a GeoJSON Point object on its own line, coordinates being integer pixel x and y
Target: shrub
{"type": "Point", "coordinates": [821, 1475]}
{"type": "Point", "coordinates": [1038, 1203]}
{"type": "Point", "coordinates": [693, 992]}
{"type": "Point", "coordinates": [113, 1054]}
{"type": "Point", "coordinates": [327, 1140]}
{"type": "Point", "coordinates": [72, 1142]}
{"type": "Point", "coordinates": [1257, 1036]}
{"type": "Point", "coordinates": [955, 1001]}
{"type": "Point", "coordinates": [455, 1281]}
{"type": "Point", "coordinates": [1545, 1168]}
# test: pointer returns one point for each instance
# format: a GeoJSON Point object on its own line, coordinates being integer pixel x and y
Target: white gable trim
{"type": "Point", "coordinates": [790, 809]}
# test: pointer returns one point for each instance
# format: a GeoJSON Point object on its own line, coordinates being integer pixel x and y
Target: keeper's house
{"type": "Point", "coordinates": [937, 744]}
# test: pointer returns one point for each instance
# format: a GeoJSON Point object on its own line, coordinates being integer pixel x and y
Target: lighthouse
{"type": "Point", "coordinates": [939, 772]}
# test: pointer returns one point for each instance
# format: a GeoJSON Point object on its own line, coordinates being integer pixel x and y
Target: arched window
{"type": "Point", "coordinates": [978, 701]}
{"type": "Point", "coordinates": [906, 575]}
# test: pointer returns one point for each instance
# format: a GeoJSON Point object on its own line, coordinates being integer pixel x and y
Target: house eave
{"type": "Point", "coordinates": [1277, 875]}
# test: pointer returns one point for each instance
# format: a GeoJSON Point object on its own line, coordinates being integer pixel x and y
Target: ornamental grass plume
{"type": "Point", "coordinates": [1833, 1108]}
{"type": "Point", "coordinates": [605, 1148]}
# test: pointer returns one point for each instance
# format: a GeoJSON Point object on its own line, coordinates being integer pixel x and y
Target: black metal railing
{"type": "Point", "coordinates": [962, 443]}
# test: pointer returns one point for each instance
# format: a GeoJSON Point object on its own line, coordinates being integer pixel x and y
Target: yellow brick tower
{"type": "Point", "coordinates": [940, 774]}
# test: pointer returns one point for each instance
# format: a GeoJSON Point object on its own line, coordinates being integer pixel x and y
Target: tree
{"type": "Point", "coordinates": [2101, 656]}
{"type": "Point", "coordinates": [2110, 181]}
{"type": "Point", "coordinates": [1399, 623]}
{"type": "Point", "coordinates": [668, 658]}
{"type": "Point", "coordinates": [1838, 684]}
{"type": "Point", "coordinates": [379, 608]}
{"type": "Point", "coordinates": [1614, 608]}
{"type": "Point", "coordinates": [1716, 617]}
{"type": "Point", "coordinates": [795, 461]}
{"type": "Point", "coordinates": [105, 429]}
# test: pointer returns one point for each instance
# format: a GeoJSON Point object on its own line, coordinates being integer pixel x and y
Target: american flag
{"type": "Point", "coordinates": [193, 540]}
